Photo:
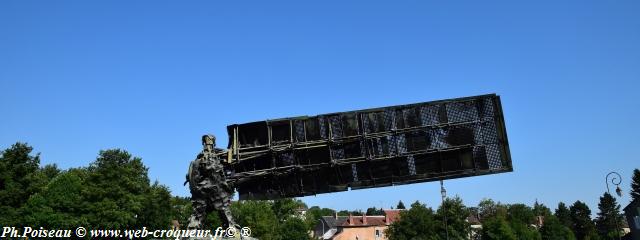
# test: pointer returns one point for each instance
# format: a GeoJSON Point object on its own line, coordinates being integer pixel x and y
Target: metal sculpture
{"type": "Point", "coordinates": [308, 155]}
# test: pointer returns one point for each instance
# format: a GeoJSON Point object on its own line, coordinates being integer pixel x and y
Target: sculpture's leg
{"type": "Point", "coordinates": [225, 215]}
{"type": "Point", "coordinates": [199, 207]}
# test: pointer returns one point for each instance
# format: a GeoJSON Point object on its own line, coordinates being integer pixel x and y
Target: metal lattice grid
{"type": "Point", "coordinates": [354, 172]}
{"type": "Point", "coordinates": [401, 143]}
{"type": "Point", "coordinates": [489, 133]}
{"type": "Point", "coordinates": [300, 136]}
{"type": "Point", "coordinates": [429, 115]}
{"type": "Point", "coordinates": [337, 152]}
{"type": "Point", "coordinates": [438, 139]}
{"type": "Point", "coordinates": [336, 127]}
{"type": "Point", "coordinates": [323, 127]}
{"type": "Point", "coordinates": [411, 163]}
{"type": "Point", "coordinates": [494, 157]}
{"type": "Point", "coordinates": [462, 112]}
{"type": "Point", "coordinates": [286, 158]}
{"type": "Point", "coordinates": [389, 119]}
{"type": "Point", "coordinates": [488, 111]}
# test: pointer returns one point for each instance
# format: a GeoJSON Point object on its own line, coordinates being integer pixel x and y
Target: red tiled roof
{"type": "Point", "coordinates": [392, 214]}
{"type": "Point", "coordinates": [354, 221]}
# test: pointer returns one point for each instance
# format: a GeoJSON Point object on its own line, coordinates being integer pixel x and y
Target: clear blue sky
{"type": "Point", "coordinates": [152, 76]}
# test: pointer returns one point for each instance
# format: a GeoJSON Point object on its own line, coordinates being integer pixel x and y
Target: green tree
{"type": "Point", "coordinates": [524, 231]}
{"type": "Point", "coordinates": [257, 215]}
{"type": "Point", "coordinates": [609, 219]}
{"type": "Point", "coordinates": [400, 205]}
{"type": "Point", "coordinates": [156, 207]}
{"type": "Point", "coordinates": [119, 194]}
{"type": "Point", "coordinates": [540, 209]}
{"type": "Point", "coordinates": [487, 209]}
{"type": "Point", "coordinates": [417, 223]}
{"type": "Point", "coordinates": [344, 213]}
{"type": "Point", "coordinates": [181, 210]}
{"type": "Point", "coordinates": [521, 213]}
{"type": "Point", "coordinates": [520, 218]}
{"type": "Point", "coordinates": [373, 211]}
{"type": "Point", "coordinates": [113, 192]}
{"type": "Point", "coordinates": [456, 213]}
{"type": "Point", "coordinates": [635, 185]}
{"type": "Point", "coordinates": [315, 213]}
{"type": "Point", "coordinates": [290, 225]}
{"type": "Point", "coordinates": [284, 208]}
{"type": "Point", "coordinates": [564, 215]}
{"type": "Point", "coordinates": [294, 228]}
{"type": "Point", "coordinates": [497, 228]}
{"type": "Point", "coordinates": [212, 221]}
{"type": "Point", "coordinates": [583, 226]}
{"type": "Point", "coordinates": [61, 204]}
{"type": "Point", "coordinates": [357, 212]}
{"type": "Point", "coordinates": [553, 229]}
{"type": "Point", "coordinates": [18, 181]}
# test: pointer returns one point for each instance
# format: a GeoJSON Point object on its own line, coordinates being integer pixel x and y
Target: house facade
{"type": "Point", "coordinates": [355, 227]}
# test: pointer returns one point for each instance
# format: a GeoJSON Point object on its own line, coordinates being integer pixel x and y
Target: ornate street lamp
{"type": "Point", "coordinates": [444, 208]}
{"type": "Point", "coordinates": [615, 180]}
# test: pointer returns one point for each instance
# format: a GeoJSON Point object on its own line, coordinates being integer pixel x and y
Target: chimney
{"type": "Point", "coordinates": [386, 217]}
{"type": "Point", "coordinates": [364, 218]}
{"type": "Point", "coordinates": [350, 219]}
{"type": "Point", "coordinates": [335, 215]}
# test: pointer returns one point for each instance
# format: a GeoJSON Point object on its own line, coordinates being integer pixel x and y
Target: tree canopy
{"type": "Point", "coordinates": [553, 229]}
{"type": "Point", "coordinates": [609, 220]}
{"type": "Point", "coordinates": [400, 205]}
{"type": "Point", "coordinates": [456, 216]}
{"type": "Point", "coordinates": [21, 177]}
{"type": "Point", "coordinates": [583, 226]}
{"type": "Point", "coordinates": [635, 185]}
{"type": "Point", "coordinates": [114, 192]}
{"type": "Point", "coordinates": [419, 223]}
{"type": "Point", "coordinates": [563, 215]}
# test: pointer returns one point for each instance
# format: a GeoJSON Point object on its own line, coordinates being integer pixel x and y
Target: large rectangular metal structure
{"type": "Point", "coordinates": [422, 142]}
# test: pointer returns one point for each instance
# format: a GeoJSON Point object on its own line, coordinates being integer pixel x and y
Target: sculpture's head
{"type": "Point", "coordinates": [208, 140]}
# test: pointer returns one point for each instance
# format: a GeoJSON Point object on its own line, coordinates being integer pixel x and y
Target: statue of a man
{"type": "Point", "coordinates": [208, 186]}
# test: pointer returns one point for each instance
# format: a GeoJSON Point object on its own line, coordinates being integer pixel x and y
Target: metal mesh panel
{"type": "Point", "coordinates": [488, 111]}
{"type": "Point", "coordinates": [299, 127]}
{"type": "Point", "coordinates": [336, 127]}
{"type": "Point", "coordinates": [489, 133]}
{"type": "Point", "coordinates": [373, 122]}
{"type": "Point", "coordinates": [393, 145]}
{"type": "Point", "coordinates": [462, 112]}
{"type": "Point", "coordinates": [477, 133]}
{"type": "Point", "coordinates": [337, 152]}
{"type": "Point", "coordinates": [378, 146]}
{"type": "Point", "coordinates": [402, 144]}
{"type": "Point", "coordinates": [389, 119]}
{"type": "Point", "coordinates": [438, 139]}
{"type": "Point", "coordinates": [285, 159]}
{"type": "Point", "coordinates": [354, 172]}
{"type": "Point", "coordinates": [366, 124]}
{"type": "Point", "coordinates": [411, 163]}
{"type": "Point", "coordinates": [323, 127]}
{"type": "Point", "coordinates": [494, 157]}
{"type": "Point", "coordinates": [429, 115]}
{"type": "Point", "coordinates": [480, 157]}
